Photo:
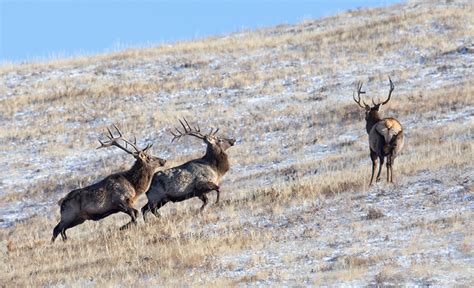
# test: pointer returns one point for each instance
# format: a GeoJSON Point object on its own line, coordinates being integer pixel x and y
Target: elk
{"type": "Point", "coordinates": [385, 134]}
{"type": "Point", "coordinates": [115, 193]}
{"type": "Point", "coordinates": [195, 178]}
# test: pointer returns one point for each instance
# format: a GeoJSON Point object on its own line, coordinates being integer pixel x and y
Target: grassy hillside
{"type": "Point", "coordinates": [296, 205]}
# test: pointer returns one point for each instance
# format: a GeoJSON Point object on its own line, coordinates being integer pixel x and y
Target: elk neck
{"type": "Point", "coordinates": [371, 119]}
{"type": "Point", "coordinates": [140, 176]}
{"type": "Point", "coordinates": [218, 159]}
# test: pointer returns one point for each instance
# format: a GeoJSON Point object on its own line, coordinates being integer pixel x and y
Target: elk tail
{"type": "Point", "coordinates": [68, 196]}
{"type": "Point", "coordinates": [392, 144]}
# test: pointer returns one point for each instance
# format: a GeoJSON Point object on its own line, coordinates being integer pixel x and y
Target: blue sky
{"type": "Point", "coordinates": [35, 30]}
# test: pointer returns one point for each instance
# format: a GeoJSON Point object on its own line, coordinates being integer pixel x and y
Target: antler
{"type": "Point", "coordinates": [392, 87]}
{"type": "Point", "coordinates": [114, 141]}
{"type": "Point", "coordinates": [134, 145]}
{"type": "Point", "coordinates": [192, 131]}
{"type": "Point", "coordinates": [359, 91]}
{"type": "Point", "coordinates": [188, 130]}
{"type": "Point", "coordinates": [213, 133]}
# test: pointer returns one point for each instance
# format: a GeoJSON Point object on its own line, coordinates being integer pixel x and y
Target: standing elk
{"type": "Point", "coordinates": [195, 178]}
{"type": "Point", "coordinates": [385, 134]}
{"type": "Point", "coordinates": [115, 193]}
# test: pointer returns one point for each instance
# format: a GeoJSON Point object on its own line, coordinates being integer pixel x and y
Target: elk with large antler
{"type": "Point", "coordinates": [116, 193]}
{"type": "Point", "coordinates": [195, 178]}
{"type": "Point", "coordinates": [385, 134]}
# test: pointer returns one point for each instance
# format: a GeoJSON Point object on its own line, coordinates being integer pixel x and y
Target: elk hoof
{"type": "Point", "coordinates": [127, 226]}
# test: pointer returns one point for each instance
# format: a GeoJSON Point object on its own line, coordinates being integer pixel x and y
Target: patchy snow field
{"type": "Point", "coordinates": [399, 228]}
{"type": "Point", "coordinates": [296, 209]}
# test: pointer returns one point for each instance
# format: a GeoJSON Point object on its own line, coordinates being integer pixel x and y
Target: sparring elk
{"type": "Point", "coordinates": [195, 178]}
{"type": "Point", "coordinates": [385, 134]}
{"type": "Point", "coordinates": [115, 193]}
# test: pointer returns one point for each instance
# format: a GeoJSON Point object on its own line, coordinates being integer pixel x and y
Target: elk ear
{"type": "Point", "coordinates": [367, 107]}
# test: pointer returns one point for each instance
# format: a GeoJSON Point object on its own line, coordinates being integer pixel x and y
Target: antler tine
{"type": "Point", "coordinates": [180, 134]}
{"type": "Point", "coordinates": [174, 136]}
{"type": "Point", "coordinates": [188, 130]}
{"type": "Point", "coordinates": [114, 141]}
{"type": "Point", "coordinates": [392, 87]}
{"type": "Point", "coordinates": [359, 91]}
{"type": "Point", "coordinates": [110, 136]}
{"type": "Point", "coordinates": [148, 146]}
{"type": "Point", "coordinates": [215, 131]}
{"type": "Point", "coordinates": [118, 130]}
{"type": "Point", "coordinates": [184, 127]}
{"type": "Point", "coordinates": [132, 144]}
{"type": "Point", "coordinates": [189, 126]}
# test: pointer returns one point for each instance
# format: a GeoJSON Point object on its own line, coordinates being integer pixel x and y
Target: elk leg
{"type": "Point", "coordinates": [206, 187]}
{"type": "Point", "coordinates": [373, 157]}
{"type": "Point", "coordinates": [126, 226]}
{"type": "Point", "coordinates": [63, 234]}
{"type": "Point", "coordinates": [71, 224]}
{"type": "Point", "coordinates": [203, 198]}
{"type": "Point", "coordinates": [145, 209]}
{"type": "Point", "coordinates": [58, 229]}
{"type": "Point", "coordinates": [132, 212]}
{"type": "Point", "coordinates": [388, 169]}
{"type": "Point", "coordinates": [391, 169]}
{"type": "Point", "coordinates": [380, 169]}
{"type": "Point", "coordinates": [214, 187]}
{"type": "Point", "coordinates": [155, 209]}
{"type": "Point", "coordinates": [218, 195]}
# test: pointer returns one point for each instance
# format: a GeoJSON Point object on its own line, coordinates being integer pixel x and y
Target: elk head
{"type": "Point", "coordinates": [141, 155]}
{"type": "Point", "coordinates": [375, 109]}
{"type": "Point", "coordinates": [217, 144]}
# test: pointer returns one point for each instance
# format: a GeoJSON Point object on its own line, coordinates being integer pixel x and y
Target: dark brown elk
{"type": "Point", "coordinates": [195, 178]}
{"type": "Point", "coordinates": [385, 134]}
{"type": "Point", "coordinates": [115, 193]}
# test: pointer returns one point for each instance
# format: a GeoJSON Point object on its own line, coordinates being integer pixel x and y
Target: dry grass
{"type": "Point", "coordinates": [374, 213]}
{"type": "Point", "coordinates": [296, 208]}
